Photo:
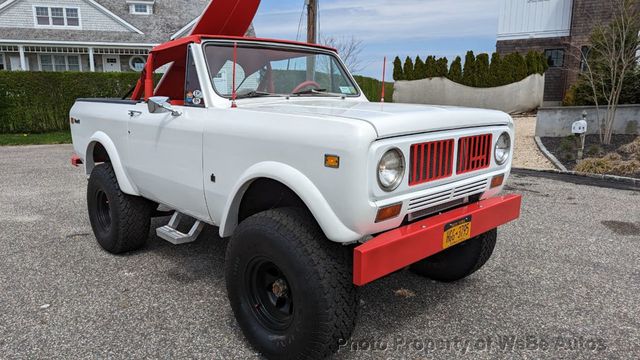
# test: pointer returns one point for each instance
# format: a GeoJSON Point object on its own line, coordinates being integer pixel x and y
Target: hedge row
{"type": "Point", "coordinates": [478, 71]}
{"type": "Point", "coordinates": [38, 102]}
{"type": "Point", "coordinates": [372, 88]}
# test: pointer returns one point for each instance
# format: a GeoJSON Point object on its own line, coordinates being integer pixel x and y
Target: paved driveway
{"type": "Point", "coordinates": [564, 282]}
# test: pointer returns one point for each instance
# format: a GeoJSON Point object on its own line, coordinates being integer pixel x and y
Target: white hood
{"type": "Point", "coordinates": [388, 119]}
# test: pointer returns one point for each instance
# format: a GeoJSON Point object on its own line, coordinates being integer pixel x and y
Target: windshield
{"type": "Point", "coordinates": [270, 71]}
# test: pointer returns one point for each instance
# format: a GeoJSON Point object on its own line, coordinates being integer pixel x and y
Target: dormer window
{"type": "Point", "coordinates": [140, 7]}
{"type": "Point", "coordinates": [57, 16]}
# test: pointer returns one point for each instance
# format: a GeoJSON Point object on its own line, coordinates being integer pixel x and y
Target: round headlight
{"type": "Point", "coordinates": [503, 148]}
{"type": "Point", "coordinates": [391, 170]}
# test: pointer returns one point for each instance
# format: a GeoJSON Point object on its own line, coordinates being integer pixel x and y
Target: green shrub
{"type": "Point", "coordinates": [398, 74]}
{"type": "Point", "coordinates": [581, 93]}
{"type": "Point", "coordinates": [372, 88]}
{"type": "Point", "coordinates": [419, 69]}
{"type": "Point", "coordinates": [455, 72]}
{"type": "Point", "coordinates": [408, 69]}
{"type": "Point", "coordinates": [37, 102]}
{"type": "Point", "coordinates": [430, 67]}
{"type": "Point", "coordinates": [469, 69]}
{"type": "Point", "coordinates": [442, 67]}
{"type": "Point", "coordinates": [482, 71]}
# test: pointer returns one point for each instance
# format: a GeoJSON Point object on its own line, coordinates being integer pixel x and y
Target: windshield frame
{"type": "Point", "coordinates": [279, 46]}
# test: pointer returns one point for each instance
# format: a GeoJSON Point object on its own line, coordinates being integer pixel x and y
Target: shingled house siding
{"type": "Point", "coordinates": [20, 15]}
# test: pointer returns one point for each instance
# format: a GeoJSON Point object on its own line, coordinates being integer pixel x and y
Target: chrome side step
{"type": "Point", "coordinates": [170, 231]}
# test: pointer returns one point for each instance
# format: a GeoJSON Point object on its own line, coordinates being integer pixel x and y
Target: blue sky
{"type": "Point", "coordinates": [387, 27]}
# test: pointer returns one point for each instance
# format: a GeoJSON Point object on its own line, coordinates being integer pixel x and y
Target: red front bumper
{"type": "Point", "coordinates": [406, 245]}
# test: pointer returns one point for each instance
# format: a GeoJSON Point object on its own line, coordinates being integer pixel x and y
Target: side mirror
{"type": "Point", "coordinates": [160, 104]}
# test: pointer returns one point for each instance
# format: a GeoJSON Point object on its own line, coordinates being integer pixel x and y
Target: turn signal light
{"type": "Point", "coordinates": [388, 212]}
{"type": "Point", "coordinates": [332, 161]}
{"type": "Point", "coordinates": [497, 181]}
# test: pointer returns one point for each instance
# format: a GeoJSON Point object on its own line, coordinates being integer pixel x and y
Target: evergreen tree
{"type": "Point", "coordinates": [397, 69]}
{"type": "Point", "coordinates": [506, 71]}
{"type": "Point", "coordinates": [455, 72]}
{"type": "Point", "coordinates": [482, 71]}
{"type": "Point", "coordinates": [469, 73]}
{"type": "Point", "coordinates": [408, 69]}
{"type": "Point", "coordinates": [419, 68]}
{"type": "Point", "coordinates": [519, 67]}
{"type": "Point", "coordinates": [430, 67]}
{"type": "Point", "coordinates": [495, 69]}
{"type": "Point", "coordinates": [533, 63]}
{"type": "Point", "coordinates": [442, 67]}
{"type": "Point", "coordinates": [544, 64]}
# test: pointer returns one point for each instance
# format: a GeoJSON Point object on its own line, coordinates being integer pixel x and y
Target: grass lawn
{"type": "Point", "coordinates": [61, 137]}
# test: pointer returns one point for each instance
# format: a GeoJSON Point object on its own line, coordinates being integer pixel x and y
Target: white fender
{"type": "Point", "coordinates": [126, 185]}
{"type": "Point", "coordinates": [333, 228]}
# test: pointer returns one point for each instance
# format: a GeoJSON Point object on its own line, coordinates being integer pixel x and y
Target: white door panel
{"type": "Point", "coordinates": [111, 63]}
{"type": "Point", "coordinates": [165, 158]}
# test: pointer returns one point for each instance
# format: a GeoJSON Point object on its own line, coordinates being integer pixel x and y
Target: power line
{"type": "Point", "coordinates": [304, 7]}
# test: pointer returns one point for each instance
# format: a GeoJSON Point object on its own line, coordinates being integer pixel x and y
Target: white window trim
{"type": "Point", "coordinates": [132, 7]}
{"type": "Point", "coordinates": [3, 59]}
{"type": "Point", "coordinates": [66, 61]}
{"type": "Point", "coordinates": [136, 57]}
{"type": "Point", "coordinates": [51, 26]}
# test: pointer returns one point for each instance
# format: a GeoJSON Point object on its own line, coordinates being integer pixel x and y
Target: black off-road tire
{"type": "Point", "coordinates": [120, 222]}
{"type": "Point", "coordinates": [317, 311]}
{"type": "Point", "coordinates": [458, 261]}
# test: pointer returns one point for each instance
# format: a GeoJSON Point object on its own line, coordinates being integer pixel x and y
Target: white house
{"type": "Point", "coordinates": [89, 35]}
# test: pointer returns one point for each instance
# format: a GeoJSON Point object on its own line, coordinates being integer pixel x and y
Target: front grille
{"type": "Point", "coordinates": [431, 161]}
{"type": "Point", "coordinates": [449, 194]}
{"type": "Point", "coordinates": [474, 153]}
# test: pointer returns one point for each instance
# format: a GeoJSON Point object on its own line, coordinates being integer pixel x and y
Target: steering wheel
{"type": "Point", "coordinates": [305, 84]}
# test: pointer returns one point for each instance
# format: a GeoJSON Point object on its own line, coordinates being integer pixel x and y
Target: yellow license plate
{"type": "Point", "coordinates": [456, 232]}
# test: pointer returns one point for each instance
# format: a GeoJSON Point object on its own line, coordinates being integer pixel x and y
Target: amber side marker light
{"type": "Point", "coordinates": [497, 181]}
{"type": "Point", "coordinates": [388, 212]}
{"type": "Point", "coordinates": [332, 161]}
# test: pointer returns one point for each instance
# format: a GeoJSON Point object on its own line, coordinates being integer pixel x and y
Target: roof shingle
{"type": "Point", "coordinates": [168, 17]}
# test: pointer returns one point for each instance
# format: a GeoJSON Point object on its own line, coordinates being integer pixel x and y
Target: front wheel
{"type": "Point", "coordinates": [290, 288]}
{"type": "Point", "coordinates": [458, 261]}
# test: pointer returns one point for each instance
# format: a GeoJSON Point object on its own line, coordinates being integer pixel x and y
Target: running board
{"type": "Point", "coordinates": [170, 231]}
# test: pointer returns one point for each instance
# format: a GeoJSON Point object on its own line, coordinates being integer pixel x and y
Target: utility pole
{"type": "Point", "coordinates": [312, 21]}
{"type": "Point", "coordinates": [312, 36]}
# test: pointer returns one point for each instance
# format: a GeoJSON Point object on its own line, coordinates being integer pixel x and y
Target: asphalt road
{"type": "Point", "coordinates": [564, 282]}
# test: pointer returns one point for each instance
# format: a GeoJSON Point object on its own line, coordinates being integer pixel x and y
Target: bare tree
{"type": "Point", "coordinates": [612, 56]}
{"type": "Point", "coordinates": [349, 48]}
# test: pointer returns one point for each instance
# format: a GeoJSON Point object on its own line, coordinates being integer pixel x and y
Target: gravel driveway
{"type": "Point", "coordinates": [563, 283]}
{"type": "Point", "coordinates": [527, 155]}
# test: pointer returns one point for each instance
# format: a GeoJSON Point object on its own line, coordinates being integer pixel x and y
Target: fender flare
{"type": "Point", "coordinates": [124, 182]}
{"type": "Point", "coordinates": [329, 222]}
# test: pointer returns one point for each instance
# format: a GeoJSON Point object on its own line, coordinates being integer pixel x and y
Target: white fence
{"type": "Point", "coordinates": [523, 96]}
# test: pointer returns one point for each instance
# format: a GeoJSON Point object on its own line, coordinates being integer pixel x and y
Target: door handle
{"type": "Point", "coordinates": [133, 113]}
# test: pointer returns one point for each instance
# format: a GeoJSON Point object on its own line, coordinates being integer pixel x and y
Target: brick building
{"type": "Point", "coordinates": [559, 28]}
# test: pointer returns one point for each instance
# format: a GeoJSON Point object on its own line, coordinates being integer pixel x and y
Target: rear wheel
{"type": "Point", "coordinates": [290, 288]}
{"type": "Point", "coordinates": [120, 222]}
{"type": "Point", "coordinates": [458, 261]}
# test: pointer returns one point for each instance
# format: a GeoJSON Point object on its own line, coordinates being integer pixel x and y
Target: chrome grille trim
{"type": "Point", "coordinates": [453, 193]}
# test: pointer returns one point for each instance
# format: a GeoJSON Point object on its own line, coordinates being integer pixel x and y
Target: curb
{"type": "Point", "coordinates": [549, 155]}
{"type": "Point", "coordinates": [607, 181]}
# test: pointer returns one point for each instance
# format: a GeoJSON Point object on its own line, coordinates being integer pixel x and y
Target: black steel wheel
{"type": "Point", "coordinates": [271, 294]}
{"type": "Point", "coordinates": [290, 288]}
